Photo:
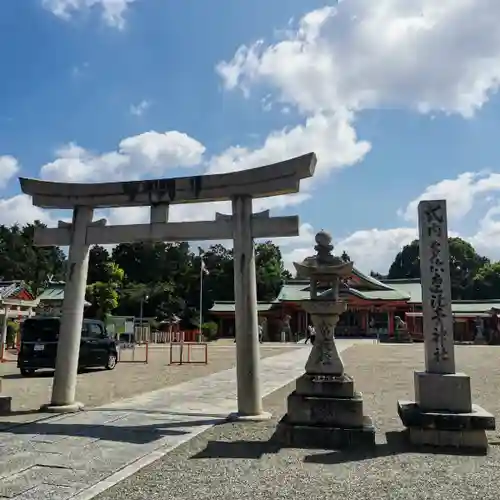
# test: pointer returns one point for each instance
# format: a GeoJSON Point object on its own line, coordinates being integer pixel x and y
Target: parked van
{"type": "Point", "coordinates": [40, 336]}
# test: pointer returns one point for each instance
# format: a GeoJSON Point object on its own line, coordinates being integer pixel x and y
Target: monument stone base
{"type": "Point", "coordinates": [325, 412]}
{"type": "Point", "coordinates": [443, 414]}
{"type": "Point", "coordinates": [450, 392]}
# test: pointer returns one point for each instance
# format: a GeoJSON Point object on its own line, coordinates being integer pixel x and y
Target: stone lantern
{"type": "Point", "coordinates": [324, 411]}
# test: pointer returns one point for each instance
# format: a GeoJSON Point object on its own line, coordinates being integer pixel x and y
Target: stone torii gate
{"type": "Point", "coordinates": [242, 227]}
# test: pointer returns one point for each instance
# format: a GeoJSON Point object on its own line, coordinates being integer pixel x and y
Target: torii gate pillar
{"type": "Point", "coordinates": [246, 318]}
{"type": "Point", "coordinates": [68, 348]}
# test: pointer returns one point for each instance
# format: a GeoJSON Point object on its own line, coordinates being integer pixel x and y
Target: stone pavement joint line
{"type": "Point", "coordinates": [80, 455]}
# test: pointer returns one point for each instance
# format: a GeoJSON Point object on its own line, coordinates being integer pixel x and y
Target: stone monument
{"type": "Point", "coordinates": [442, 413]}
{"type": "Point", "coordinates": [324, 411]}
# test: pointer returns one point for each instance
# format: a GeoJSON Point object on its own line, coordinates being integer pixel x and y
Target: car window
{"type": "Point", "coordinates": [95, 330]}
{"type": "Point", "coordinates": [40, 330]}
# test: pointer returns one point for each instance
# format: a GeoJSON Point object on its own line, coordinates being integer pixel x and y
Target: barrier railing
{"type": "Point", "coordinates": [161, 337]}
{"type": "Point", "coordinates": [184, 351]}
{"type": "Point", "coordinates": [8, 355]}
{"type": "Point", "coordinates": [127, 353]}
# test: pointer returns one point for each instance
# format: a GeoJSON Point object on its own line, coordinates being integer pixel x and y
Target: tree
{"type": "Point", "coordinates": [464, 264]}
{"type": "Point", "coordinates": [486, 282]}
{"type": "Point", "coordinates": [103, 295]}
{"type": "Point", "coordinates": [269, 270]}
{"type": "Point", "coordinates": [99, 268]}
{"type": "Point", "coordinates": [407, 263]}
{"type": "Point", "coordinates": [21, 260]}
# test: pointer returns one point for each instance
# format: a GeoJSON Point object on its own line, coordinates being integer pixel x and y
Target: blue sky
{"type": "Point", "coordinates": [399, 112]}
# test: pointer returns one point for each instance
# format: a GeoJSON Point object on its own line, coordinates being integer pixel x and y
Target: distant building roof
{"type": "Point", "coordinates": [228, 307]}
{"type": "Point", "coordinates": [471, 306]}
{"type": "Point", "coordinates": [412, 287]}
{"type": "Point", "coordinates": [54, 293]}
{"type": "Point", "coordinates": [360, 285]}
{"type": "Point", "coordinates": [17, 291]}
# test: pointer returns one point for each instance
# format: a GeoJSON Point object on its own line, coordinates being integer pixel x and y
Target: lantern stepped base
{"type": "Point", "coordinates": [325, 412]}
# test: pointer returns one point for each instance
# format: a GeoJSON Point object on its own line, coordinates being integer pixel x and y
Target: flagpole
{"type": "Point", "coordinates": [201, 297]}
{"type": "Point", "coordinates": [201, 291]}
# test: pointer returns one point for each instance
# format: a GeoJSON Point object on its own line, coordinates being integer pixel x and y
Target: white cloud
{"type": "Point", "coordinates": [330, 136]}
{"type": "Point", "coordinates": [460, 193]}
{"type": "Point", "coordinates": [20, 210]}
{"type": "Point", "coordinates": [487, 238]}
{"type": "Point", "coordinates": [148, 153]}
{"type": "Point", "coordinates": [113, 11]}
{"type": "Point", "coordinates": [375, 249]}
{"type": "Point", "coordinates": [9, 166]}
{"type": "Point", "coordinates": [425, 55]}
{"type": "Point", "coordinates": [140, 108]}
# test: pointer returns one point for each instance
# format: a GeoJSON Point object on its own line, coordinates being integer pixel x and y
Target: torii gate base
{"type": "Point", "coordinates": [243, 226]}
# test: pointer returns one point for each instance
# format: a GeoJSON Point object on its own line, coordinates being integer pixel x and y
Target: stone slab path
{"type": "Point", "coordinates": [80, 455]}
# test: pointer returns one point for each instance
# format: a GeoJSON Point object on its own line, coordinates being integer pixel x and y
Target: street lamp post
{"type": "Point", "coordinates": [141, 313]}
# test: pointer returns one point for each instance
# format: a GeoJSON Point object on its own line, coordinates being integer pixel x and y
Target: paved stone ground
{"type": "Point", "coordinates": [98, 387]}
{"type": "Point", "coordinates": [242, 461]}
{"type": "Point", "coordinates": [77, 456]}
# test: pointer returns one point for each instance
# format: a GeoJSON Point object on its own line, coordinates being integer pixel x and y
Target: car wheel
{"type": "Point", "coordinates": [111, 363]}
{"type": "Point", "coordinates": [25, 372]}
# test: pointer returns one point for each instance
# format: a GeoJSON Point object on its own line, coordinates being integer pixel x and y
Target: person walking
{"type": "Point", "coordinates": [311, 334]}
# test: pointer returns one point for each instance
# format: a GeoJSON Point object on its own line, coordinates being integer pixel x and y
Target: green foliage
{"type": "Point", "coordinates": [103, 295]}
{"type": "Point", "coordinates": [20, 260]}
{"type": "Point", "coordinates": [487, 281]}
{"type": "Point", "coordinates": [210, 330]}
{"type": "Point", "coordinates": [12, 331]}
{"type": "Point", "coordinates": [473, 277]}
{"type": "Point", "coordinates": [269, 270]}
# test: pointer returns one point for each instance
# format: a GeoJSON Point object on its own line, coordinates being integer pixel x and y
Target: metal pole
{"type": "Point", "coordinates": [140, 315]}
{"type": "Point", "coordinates": [201, 293]}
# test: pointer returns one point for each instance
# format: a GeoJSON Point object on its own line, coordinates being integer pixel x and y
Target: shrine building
{"type": "Point", "coordinates": [372, 309]}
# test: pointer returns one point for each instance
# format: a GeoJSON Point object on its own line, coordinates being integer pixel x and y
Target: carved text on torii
{"type": "Point", "coordinates": [434, 219]}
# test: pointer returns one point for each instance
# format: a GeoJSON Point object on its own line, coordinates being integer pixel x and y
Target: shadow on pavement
{"type": "Point", "coordinates": [239, 449]}
{"type": "Point", "coordinates": [14, 376]}
{"type": "Point", "coordinates": [133, 434]}
{"type": "Point", "coordinates": [221, 416]}
{"type": "Point", "coordinates": [397, 443]}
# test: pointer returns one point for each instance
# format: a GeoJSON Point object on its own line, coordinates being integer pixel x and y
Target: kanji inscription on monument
{"type": "Point", "coordinates": [436, 287]}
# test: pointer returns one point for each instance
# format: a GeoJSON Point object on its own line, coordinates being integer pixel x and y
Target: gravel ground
{"type": "Point", "coordinates": [98, 387]}
{"type": "Point", "coordinates": [240, 461]}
